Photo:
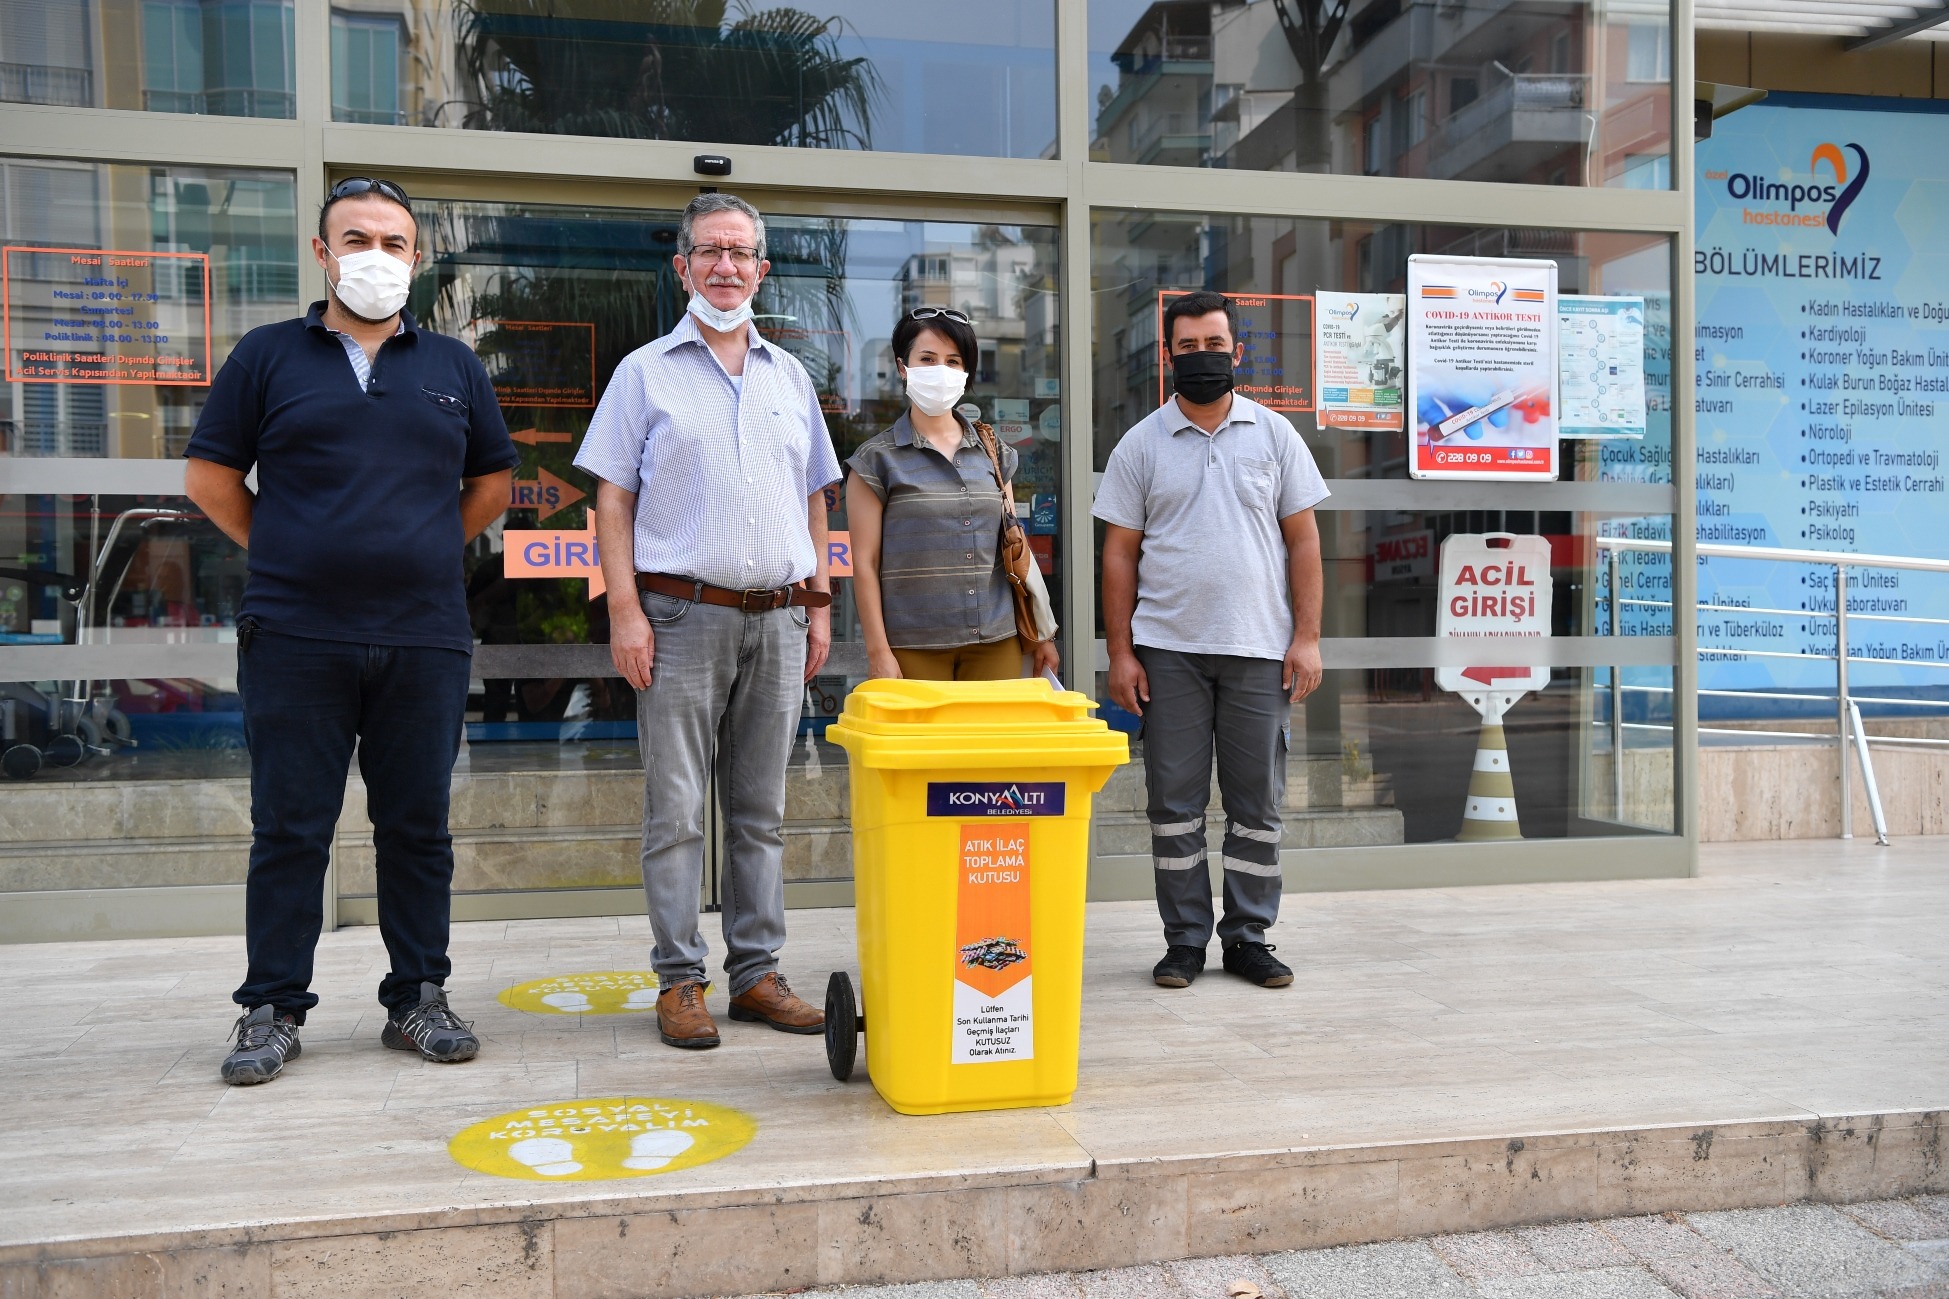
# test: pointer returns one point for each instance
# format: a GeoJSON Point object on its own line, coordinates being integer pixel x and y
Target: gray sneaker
{"type": "Point", "coordinates": [265, 1040]}
{"type": "Point", "coordinates": [431, 1029]}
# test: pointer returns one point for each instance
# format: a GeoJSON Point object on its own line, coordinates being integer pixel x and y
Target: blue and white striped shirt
{"type": "Point", "coordinates": [721, 476]}
{"type": "Point", "coordinates": [361, 363]}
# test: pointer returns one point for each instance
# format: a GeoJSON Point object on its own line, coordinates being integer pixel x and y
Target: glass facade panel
{"type": "Point", "coordinates": [365, 68]}
{"type": "Point", "coordinates": [918, 77]}
{"type": "Point", "coordinates": [1380, 757]}
{"type": "Point", "coordinates": [1273, 266]}
{"type": "Point", "coordinates": [1495, 90]}
{"type": "Point", "coordinates": [126, 287]}
{"type": "Point", "coordinates": [1363, 744]}
{"type": "Point", "coordinates": [232, 58]}
{"type": "Point", "coordinates": [554, 297]}
{"type": "Point", "coordinates": [128, 284]}
{"type": "Point", "coordinates": [155, 571]}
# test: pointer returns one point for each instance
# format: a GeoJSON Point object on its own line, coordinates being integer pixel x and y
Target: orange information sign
{"type": "Point", "coordinates": [94, 315]}
{"type": "Point", "coordinates": [539, 362]}
{"type": "Point", "coordinates": [827, 355]}
{"type": "Point", "coordinates": [1277, 330]}
{"type": "Point", "coordinates": [545, 494]}
{"type": "Point", "coordinates": [994, 1002]}
{"type": "Point", "coordinates": [550, 553]}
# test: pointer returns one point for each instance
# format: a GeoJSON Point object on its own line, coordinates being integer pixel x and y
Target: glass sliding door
{"type": "Point", "coordinates": [1379, 755]}
{"type": "Point", "coordinates": [552, 297]}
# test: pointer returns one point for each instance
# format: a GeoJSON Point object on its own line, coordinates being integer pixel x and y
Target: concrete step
{"type": "Point", "coordinates": [930, 1225]}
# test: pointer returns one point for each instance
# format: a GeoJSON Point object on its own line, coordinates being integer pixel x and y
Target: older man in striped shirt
{"type": "Point", "coordinates": [714, 457]}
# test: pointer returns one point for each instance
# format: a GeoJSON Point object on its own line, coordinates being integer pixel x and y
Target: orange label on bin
{"type": "Point", "coordinates": [994, 1004]}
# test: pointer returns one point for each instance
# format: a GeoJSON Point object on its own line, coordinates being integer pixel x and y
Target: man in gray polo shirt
{"type": "Point", "coordinates": [1211, 603]}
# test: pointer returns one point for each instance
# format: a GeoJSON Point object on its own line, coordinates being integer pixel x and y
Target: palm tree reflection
{"type": "Point", "coordinates": [671, 70]}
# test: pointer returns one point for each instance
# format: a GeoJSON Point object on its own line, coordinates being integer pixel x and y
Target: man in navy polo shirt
{"type": "Point", "coordinates": [379, 452]}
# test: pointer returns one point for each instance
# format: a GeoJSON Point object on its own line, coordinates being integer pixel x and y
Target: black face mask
{"type": "Point", "coordinates": [1201, 377]}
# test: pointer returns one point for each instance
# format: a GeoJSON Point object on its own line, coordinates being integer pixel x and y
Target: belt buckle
{"type": "Point", "coordinates": [745, 605]}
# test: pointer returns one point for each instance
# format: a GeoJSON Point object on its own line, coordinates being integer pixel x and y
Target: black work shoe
{"type": "Point", "coordinates": [265, 1040]}
{"type": "Point", "coordinates": [431, 1029]}
{"type": "Point", "coordinates": [1255, 963]}
{"type": "Point", "coordinates": [1181, 964]}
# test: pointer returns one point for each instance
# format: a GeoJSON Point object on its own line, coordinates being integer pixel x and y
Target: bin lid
{"type": "Point", "coordinates": [977, 718]}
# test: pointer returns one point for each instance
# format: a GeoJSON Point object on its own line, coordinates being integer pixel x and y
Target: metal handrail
{"type": "Point", "coordinates": [1847, 720]}
{"type": "Point", "coordinates": [1785, 554]}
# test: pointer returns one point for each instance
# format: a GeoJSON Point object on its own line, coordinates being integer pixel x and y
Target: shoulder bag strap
{"type": "Point", "coordinates": [1010, 522]}
{"type": "Point", "coordinates": [987, 436]}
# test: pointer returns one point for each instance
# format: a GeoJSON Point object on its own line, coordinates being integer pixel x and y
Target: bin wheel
{"type": "Point", "coordinates": [842, 1025]}
{"type": "Point", "coordinates": [66, 750]}
{"type": "Point", "coordinates": [21, 761]}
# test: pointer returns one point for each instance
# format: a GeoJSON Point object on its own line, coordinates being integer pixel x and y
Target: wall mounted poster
{"type": "Point", "coordinates": [1822, 391]}
{"type": "Point", "coordinates": [1360, 345]}
{"type": "Point", "coordinates": [1600, 366]}
{"type": "Point", "coordinates": [1482, 368]}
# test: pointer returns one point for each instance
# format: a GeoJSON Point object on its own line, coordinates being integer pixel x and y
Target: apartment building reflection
{"type": "Point", "coordinates": [1494, 90]}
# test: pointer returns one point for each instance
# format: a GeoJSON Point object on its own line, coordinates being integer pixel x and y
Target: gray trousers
{"type": "Point", "coordinates": [726, 689]}
{"type": "Point", "coordinates": [1198, 703]}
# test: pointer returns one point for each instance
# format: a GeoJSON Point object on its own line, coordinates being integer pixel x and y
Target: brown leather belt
{"type": "Point", "coordinates": [749, 601]}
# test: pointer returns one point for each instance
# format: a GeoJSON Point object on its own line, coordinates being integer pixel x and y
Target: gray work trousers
{"type": "Point", "coordinates": [726, 689]}
{"type": "Point", "coordinates": [1198, 703]}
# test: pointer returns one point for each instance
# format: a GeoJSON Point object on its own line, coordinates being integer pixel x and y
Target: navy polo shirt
{"type": "Point", "coordinates": [356, 532]}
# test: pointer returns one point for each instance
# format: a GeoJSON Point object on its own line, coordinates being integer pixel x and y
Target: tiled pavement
{"type": "Point", "coordinates": [1786, 986]}
{"type": "Point", "coordinates": [1886, 1249]}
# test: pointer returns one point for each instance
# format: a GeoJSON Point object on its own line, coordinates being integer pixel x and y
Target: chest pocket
{"type": "Point", "coordinates": [1257, 482]}
{"type": "Point", "coordinates": [447, 402]}
{"type": "Point", "coordinates": [790, 443]}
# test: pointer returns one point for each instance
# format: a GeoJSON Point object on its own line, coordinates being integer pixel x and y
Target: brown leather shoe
{"type": "Point", "coordinates": [770, 1001]}
{"type": "Point", "coordinates": [681, 1019]}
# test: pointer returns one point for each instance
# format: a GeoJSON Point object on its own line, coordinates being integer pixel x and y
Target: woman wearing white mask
{"type": "Point", "coordinates": [926, 519]}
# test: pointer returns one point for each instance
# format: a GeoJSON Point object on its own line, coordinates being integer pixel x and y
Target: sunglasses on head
{"type": "Point", "coordinates": [353, 186]}
{"type": "Point", "coordinates": [928, 313]}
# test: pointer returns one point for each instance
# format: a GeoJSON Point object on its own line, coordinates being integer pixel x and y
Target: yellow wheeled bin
{"type": "Point", "coordinates": [971, 824]}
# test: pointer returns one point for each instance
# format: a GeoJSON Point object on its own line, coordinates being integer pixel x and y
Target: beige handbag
{"type": "Point", "coordinates": [1035, 620]}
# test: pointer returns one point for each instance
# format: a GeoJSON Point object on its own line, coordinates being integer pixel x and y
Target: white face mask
{"type": "Point", "coordinates": [722, 321]}
{"type": "Point", "coordinates": [372, 285]}
{"type": "Point", "coordinates": [933, 389]}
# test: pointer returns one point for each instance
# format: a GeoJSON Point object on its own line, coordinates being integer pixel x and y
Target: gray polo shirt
{"type": "Point", "coordinates": [1212, 576]}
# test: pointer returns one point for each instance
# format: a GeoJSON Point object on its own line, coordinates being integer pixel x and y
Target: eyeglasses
{"type": "Point", "coordinates": [707, 255]}
{"type": "Point", "coordinates": [928, 313]}
{"type": "Point", "coordinates": [353, 186]}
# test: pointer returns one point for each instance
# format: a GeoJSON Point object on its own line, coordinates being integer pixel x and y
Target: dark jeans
{"type": "Point", "coordinates": [307, 705]}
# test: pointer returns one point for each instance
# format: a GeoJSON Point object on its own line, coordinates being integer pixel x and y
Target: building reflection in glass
{"type": "Point", "coordinates": [1494, 90]}
{"type": "Point", "coordinates": [922, 76]}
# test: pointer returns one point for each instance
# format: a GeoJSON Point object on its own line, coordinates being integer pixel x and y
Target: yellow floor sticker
{"type": "Point", "coordinates": [597, 1140]}
{"type": "Point", "coordinates": [597, 992]}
